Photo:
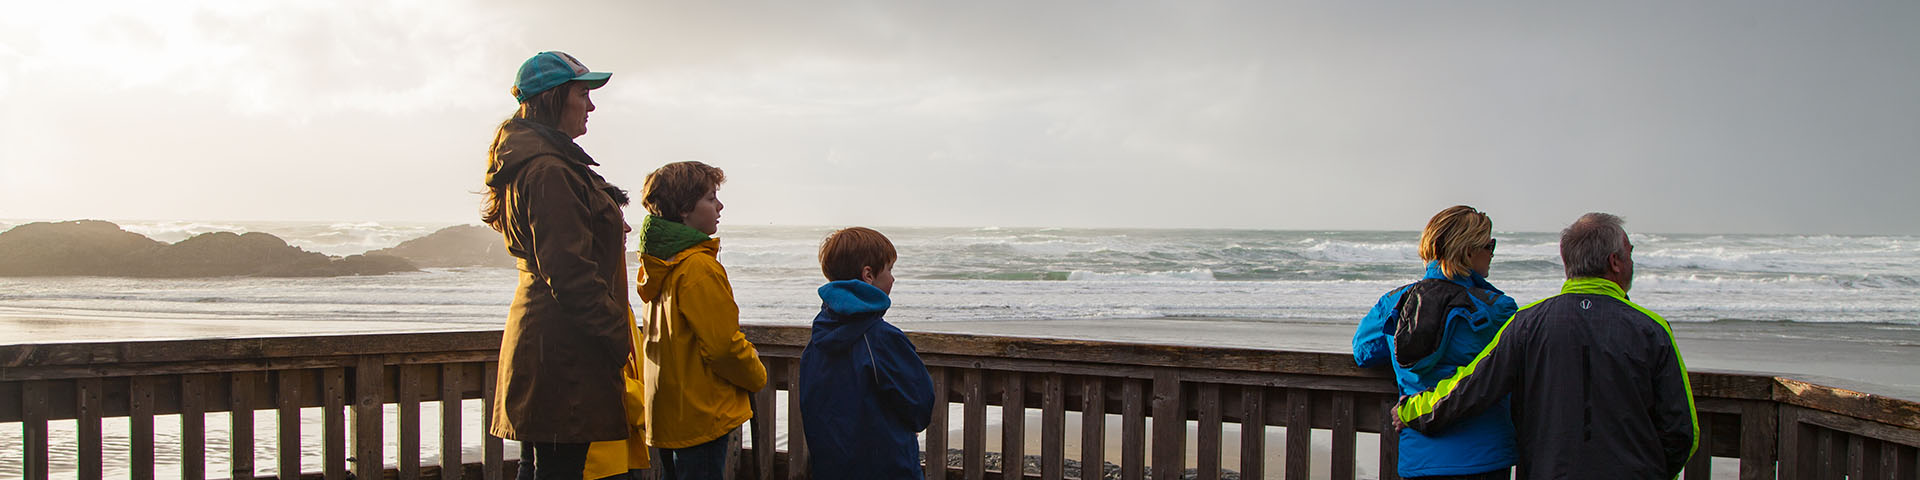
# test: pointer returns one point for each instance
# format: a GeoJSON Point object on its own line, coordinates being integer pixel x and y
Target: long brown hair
{"type": "Point", "coordinates": [544, 108]}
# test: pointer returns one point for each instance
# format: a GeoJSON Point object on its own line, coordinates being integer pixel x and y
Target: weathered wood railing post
{"type": "Point", "coordinates": [1299, 433]}
{"type": "Point", "coordinates": [369, 373]}
{"type": "Point", "coordinates": [140, 408]}
{"type": "Point", "coordinates": [334, 386]}
{"type": "Point", "coordinates": [935, 456]}
{"type": "Point", "coordinates": [1133, 426]}
{"type": "Point", "coordinates": [1093, 424]}
{"type": "Point", "coordinates": [1053, 425]}
{"type": "Point", "coordinates": [797, 467]}
{"type": "Point", "coordinates": [1253, 431]}
{"type": "Point", "coordinates": [973, 429]}
{"type": "Point", "coordinates": [1169, 426]}
{"type": "Point", "coordinates": [1013, 423]}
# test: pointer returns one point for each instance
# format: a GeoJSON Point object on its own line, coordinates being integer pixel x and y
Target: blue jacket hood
{"type": "Point", "coordinates": [849, 308]}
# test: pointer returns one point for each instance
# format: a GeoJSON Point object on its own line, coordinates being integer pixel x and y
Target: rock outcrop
{"type": "Point", "coordinates": [455, 246]}
{"type": "Point", "coordinates": [91, 247]}
{"type": "Point", "coordinates": [79, 247]}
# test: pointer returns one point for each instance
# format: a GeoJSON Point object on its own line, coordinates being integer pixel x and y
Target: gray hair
{"type": "Point", "coordinates": [1585, 245]}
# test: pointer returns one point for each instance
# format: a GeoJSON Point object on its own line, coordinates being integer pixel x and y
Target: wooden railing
{"type": "Point", "coordinates": [87, 382]}
{"type": "Point", "coordinates": [1770, 424]}
{"type": "Point", "coordinates": [1773, 427]}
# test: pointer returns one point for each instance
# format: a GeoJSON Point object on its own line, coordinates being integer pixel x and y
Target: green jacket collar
{"type": "Point", "coordinates": [1593, 286]}
{"type": "Point", "coordinates": [662, 238]}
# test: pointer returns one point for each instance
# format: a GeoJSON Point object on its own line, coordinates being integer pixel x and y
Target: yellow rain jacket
{"type": "Point", "coordinates": [606, 459]}
{"type": "Point", "coordinates": [700, 371]}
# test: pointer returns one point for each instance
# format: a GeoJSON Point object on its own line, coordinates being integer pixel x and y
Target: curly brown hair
{"type": "Point", "coordinates": [673, 189]}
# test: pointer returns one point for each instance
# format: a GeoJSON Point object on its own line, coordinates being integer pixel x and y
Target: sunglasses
{"type": "Point", "coordinates": [1491, 242]}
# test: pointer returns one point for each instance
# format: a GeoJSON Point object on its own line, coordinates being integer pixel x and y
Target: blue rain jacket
{"type": "Point", "coordinates": [864, 393]}
{"type": "Point", "coordinates": [1480, 444]}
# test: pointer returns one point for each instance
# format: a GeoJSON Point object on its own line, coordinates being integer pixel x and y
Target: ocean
{"type": "Point", "coordinates": [1844, 306]}
{"type": "Point", "coordinates": [1044, 274]}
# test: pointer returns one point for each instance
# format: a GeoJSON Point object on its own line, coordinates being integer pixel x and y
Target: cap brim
{"type": "Point", "coordinates": [594, 79]}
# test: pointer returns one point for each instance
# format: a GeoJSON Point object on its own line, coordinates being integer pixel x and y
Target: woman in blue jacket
{"type": "Point", "coordinates": [1429, 328]}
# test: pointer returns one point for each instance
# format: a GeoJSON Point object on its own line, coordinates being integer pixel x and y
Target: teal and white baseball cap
{"type": "Point", "coordinates": [551, 69]}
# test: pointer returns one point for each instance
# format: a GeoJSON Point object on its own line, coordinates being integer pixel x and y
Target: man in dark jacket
{"type": "Point", "coordinates": [1598, 386]}
{"type": "Point", "coordinates": [864, 393]}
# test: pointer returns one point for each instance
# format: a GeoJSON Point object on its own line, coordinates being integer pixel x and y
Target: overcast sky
{"type": "Point", "coordinates": [1711, 116]}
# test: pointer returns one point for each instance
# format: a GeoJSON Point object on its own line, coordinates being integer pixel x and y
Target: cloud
{"type": "Point", "coordinates": [287, 59]}
{"type": "Point", "coordinates": [1698, 117]}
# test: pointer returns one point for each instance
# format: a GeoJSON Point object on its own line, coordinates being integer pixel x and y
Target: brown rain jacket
{"type": "Point", "coordinates": [568, 331]}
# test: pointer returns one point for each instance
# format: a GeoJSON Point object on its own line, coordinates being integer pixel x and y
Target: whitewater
{"type": "Point", "coordinates": [1046, 274]}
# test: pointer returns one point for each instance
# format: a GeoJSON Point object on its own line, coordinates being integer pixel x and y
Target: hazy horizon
{"type": "Point", "coordinates": [9, 223]}
{"type": "Point", "coordinates": [1703, 117]}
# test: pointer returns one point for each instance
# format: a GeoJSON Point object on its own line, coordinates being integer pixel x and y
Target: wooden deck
{"type": "Point", "coordinates": [1775, 427]}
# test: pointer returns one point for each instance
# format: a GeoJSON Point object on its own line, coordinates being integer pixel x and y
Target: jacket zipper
{"type": "Point", "coordinates": [872, 360]}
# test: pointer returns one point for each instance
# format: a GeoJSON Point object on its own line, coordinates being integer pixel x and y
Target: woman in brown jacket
{"type": "Point", "coordinates": [568, 334]}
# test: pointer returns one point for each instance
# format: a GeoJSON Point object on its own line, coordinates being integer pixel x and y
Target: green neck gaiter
{"type": "Point", "coordinates": [662, 238]}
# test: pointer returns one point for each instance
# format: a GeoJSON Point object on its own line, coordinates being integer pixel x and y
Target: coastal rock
{"type": "Point", "coordinates": [455, 246]}
{"type": "Point", "coordinates": [91, 247]}
{"type": "Point", "coordinates": [367, 264]}
{"type": "Point", "coordinates": [78, 247]}
{"type": "Point", "coordinates": [222, 254]}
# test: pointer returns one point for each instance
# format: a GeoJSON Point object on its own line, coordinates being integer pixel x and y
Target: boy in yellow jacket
{"type": "Point", "coordinates": [700, 371]}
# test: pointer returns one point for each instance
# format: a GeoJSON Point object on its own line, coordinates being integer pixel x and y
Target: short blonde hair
{"type": "Point", "coordinates": [1453, 234]}
{"type": "Point", "coordinates": [845, 251]}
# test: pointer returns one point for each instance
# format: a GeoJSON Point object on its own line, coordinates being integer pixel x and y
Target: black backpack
{"type": "Point", "coordinates": [1422, 312]}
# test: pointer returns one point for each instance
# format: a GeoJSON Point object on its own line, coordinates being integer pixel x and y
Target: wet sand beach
{"type": "Point", "coordinates": [1874, 358]}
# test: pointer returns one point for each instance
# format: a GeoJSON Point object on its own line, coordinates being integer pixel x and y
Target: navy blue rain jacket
{"type": "Point", "coordinates": [864, 393]}
{"type": "Point", "coordinates": [1482, 443]}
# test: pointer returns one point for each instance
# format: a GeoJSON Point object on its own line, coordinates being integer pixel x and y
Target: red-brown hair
{"type": "Point", "coordinates": [846, 252]}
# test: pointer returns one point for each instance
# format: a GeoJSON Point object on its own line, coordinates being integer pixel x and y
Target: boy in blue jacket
{"type": "Point", "coordinates": [864, 393]}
